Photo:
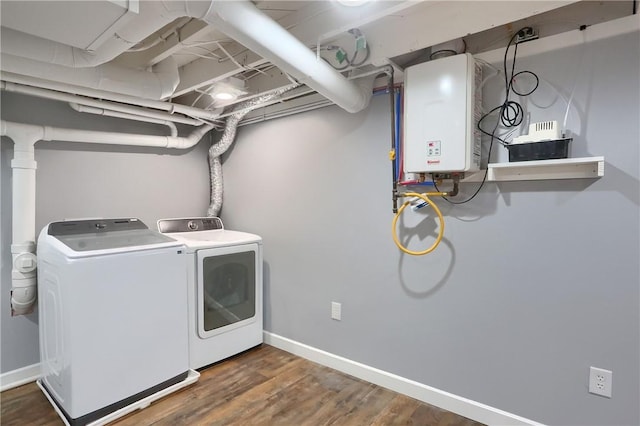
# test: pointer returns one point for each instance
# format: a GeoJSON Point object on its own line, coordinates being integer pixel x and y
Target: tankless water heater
{"type": "Point", "coordinates": [441, 109]}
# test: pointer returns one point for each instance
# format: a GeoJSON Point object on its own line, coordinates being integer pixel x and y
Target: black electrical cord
{"type": "Point", "coordinates": [355, 54]}
{"type": "Point", "coordinates": [349, 61]}
{"type": "Point", "coordinates": [511, 112]}
{"type": "Point", "coordinates": [332, 48]}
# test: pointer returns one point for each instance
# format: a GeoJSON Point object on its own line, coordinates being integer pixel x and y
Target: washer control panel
{"type": "Point", "coordinates": [88, 226]}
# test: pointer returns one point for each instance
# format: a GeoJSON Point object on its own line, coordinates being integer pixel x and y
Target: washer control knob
{"type": "Point", "coordinates": [192, 225]}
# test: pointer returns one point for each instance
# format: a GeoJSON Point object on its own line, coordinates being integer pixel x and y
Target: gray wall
{"type": "Point", "coordinates": [534, 282]}
{"type": "Point", "coordinates": [81, 180]}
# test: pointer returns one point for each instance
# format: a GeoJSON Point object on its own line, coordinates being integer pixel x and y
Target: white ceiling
{"type": "Point", "coordinates": [397, 32]}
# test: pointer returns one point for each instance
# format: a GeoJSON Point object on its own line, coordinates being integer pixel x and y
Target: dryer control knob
{"type": "Point", "coordinates": [192, 225]}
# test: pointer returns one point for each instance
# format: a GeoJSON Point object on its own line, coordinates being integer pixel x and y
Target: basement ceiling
{"type": "Point", "coordinates": [207, 61]}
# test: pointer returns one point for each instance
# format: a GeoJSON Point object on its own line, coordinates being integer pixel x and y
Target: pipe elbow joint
{"type": "Point", "coordinates": [179, 142]}
{"type": "Point", "coordinates": [365, 89]}
{"type": "Point", "coordinates": [454, 191]}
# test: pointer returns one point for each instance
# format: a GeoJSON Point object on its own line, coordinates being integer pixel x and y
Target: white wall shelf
{"type": "Point", "coordinates": [566, 168]}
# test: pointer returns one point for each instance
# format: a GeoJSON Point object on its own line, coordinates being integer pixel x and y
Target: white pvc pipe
{"type": "Point", "coordinates": [23, 266]}
{"type": "Point", "coordinates": [100, 111]}
{"type": "Point", "coordinates": [171, 108]}
{"type": "Point", "coordinates": [23, 246]}
{"type": "Point", "coordinates": [129, 110]}
{"type": "Point", "coordinates": [248, 25]}
{"type": "Point", "coordinates": [48, 133]}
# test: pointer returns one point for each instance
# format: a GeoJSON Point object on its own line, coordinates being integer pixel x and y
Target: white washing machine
{"type": "Point", "coordinates": [112, 317]}
{"type": "Point", "coordinates": [224, 288]}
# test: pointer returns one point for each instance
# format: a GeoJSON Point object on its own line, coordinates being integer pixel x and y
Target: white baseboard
{"type": "Point", "coordinates": [19, 377]}
{"type": "Point", "coordinates": [465, 407]}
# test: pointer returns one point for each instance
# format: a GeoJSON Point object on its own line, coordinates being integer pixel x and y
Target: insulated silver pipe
{"type": "Point", "coordinates": [228, 136]}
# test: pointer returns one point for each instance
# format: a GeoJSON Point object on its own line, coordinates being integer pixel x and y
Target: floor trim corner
{"type": "Point", "coordinates": [465, 407]}
{"type": "Point", "coordinates": [13, 379]}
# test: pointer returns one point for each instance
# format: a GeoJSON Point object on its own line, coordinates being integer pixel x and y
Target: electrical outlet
{"type": "Point", "coordinates": [336, 311]}
{"type": "Point", "coordinates": [600, 381]}
{"type": "Point", "coordinates": [526, 34]}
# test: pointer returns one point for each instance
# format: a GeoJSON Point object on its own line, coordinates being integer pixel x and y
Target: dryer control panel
{"type": "Point", "coordinates": [192, 224]}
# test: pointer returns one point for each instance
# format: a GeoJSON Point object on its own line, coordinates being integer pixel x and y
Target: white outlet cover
{"type": "Point", "coordinates": [336, 311]}
{"type": "Point", "coordinates": [600, 381]}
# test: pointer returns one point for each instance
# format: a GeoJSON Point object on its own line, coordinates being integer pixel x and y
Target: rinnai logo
{"type": "Point", "coordinates": [433, 161]}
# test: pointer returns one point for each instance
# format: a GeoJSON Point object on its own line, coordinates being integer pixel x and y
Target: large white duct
{"type": "Point", "coordinates": [159, 84]}
{"type": "Point", "coordinates": [24, 136]}
{"type": "Point", "coordinates": [153, 15]}
{"type": "Point", "coordinates": [240, 20]}
{"type": "Point", "coordinates": [246, 24]}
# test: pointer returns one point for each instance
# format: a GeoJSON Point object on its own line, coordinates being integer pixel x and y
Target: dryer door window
{"type": "Point", "coordinates": [228, 292]}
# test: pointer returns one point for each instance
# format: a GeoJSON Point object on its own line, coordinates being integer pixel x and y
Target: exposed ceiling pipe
{"type": "Point", "coordinates": [240, 20]}
{"type": "Point", "coordinates": [171, 108]}
{"type": "Point", "coordinates": [245, 23]}
{"type": "Point", "coordinates": [132, 111]}
{"type": "Point", "coordinates": [148, 43]}
{"type": "Point", "coordinates": [153, 16]}
{"type": "Point", "coordinates": [156, 85]}
{"type": "Point", "coordinates": [48, 133]}
{"type": "Point", "coordinates": [107, 113]}
{"type": "Point", "coordinates": [23, 165]}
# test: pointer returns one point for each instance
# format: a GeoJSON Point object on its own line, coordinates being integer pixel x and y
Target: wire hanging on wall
{"type": "Point", "coordinates": [510, 112]}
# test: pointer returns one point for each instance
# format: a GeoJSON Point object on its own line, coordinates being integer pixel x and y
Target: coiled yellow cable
{"type": "Point", "coordinates": [425, 197]}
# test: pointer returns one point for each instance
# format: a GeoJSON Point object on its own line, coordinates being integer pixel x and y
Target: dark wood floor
{"type": "Point", "coordinates": [263, 386]}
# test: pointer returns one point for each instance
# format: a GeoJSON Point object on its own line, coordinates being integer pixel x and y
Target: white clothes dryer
{"type": "Point", "coordinates": [224, 288]}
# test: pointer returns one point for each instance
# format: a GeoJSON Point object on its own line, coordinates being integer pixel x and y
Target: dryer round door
{"type": "Point", "coordinates": [226, 289]}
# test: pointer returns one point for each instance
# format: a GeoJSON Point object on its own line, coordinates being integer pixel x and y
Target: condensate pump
{"type": "Point", "coordinates": [442, 106]}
